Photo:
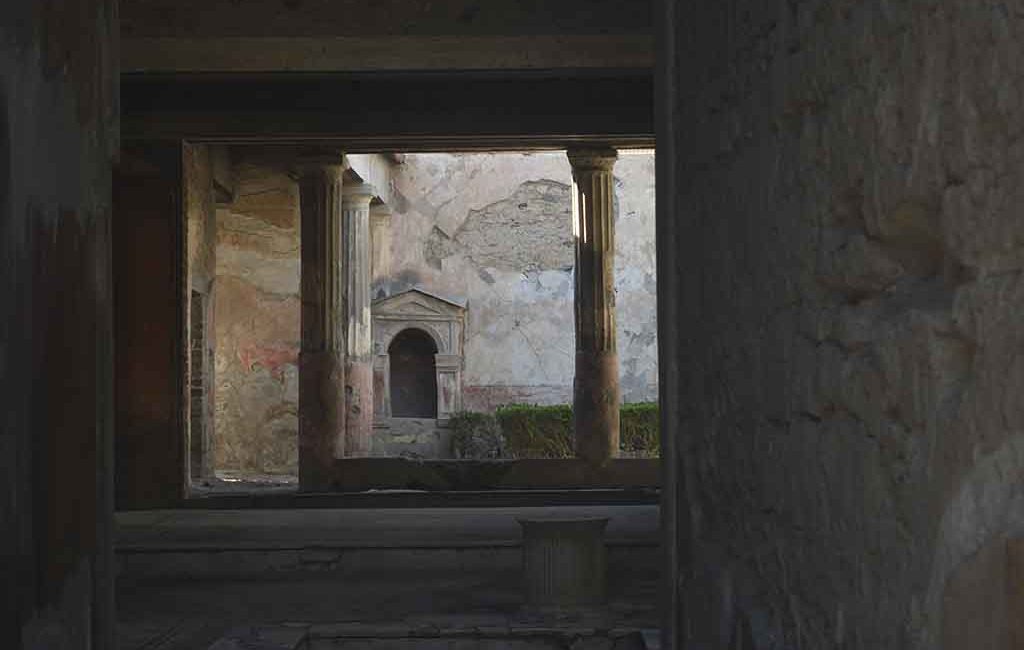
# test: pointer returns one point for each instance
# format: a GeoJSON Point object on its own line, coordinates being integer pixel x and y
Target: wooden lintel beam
{"type": "Point", "coordinates": [403, 112]}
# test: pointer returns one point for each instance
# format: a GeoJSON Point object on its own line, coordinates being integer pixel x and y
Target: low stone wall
{"type": "Point", "coordinates": [411, 438]}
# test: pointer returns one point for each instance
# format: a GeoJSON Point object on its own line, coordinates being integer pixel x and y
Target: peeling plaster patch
{"type": "Point", "coordinates": [529, 231]}
{"type": "Point", "coordinates": [438, 247]}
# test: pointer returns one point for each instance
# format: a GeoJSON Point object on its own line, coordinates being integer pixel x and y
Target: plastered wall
{"type": "Point", "coordinates": [256, 316]}
{"type": "Point", "coordinates": [846, 255]}
{"type": "Point", "coordinates": [58, 140]}
{"type": "Point", "coordinates": [495, 231]}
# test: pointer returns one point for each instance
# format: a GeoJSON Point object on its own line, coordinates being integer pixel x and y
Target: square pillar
{"type": "Point", "coordinates": [596, 383]}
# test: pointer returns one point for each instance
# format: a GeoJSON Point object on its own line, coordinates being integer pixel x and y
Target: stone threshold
{"type": "Point", "coordinates": [364, 528]}
{"type": "Point", "coordinates": [487, 635]}
{"type": "Point", "coordinates": [404, 498]}
{"type": "Point", "coordinates": [157, 547]}
{"type": "Point", "coordinates": [357, 474]}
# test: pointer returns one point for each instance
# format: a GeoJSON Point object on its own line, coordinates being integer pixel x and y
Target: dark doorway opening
{"type": "Point", "coordinates": [413, 375]}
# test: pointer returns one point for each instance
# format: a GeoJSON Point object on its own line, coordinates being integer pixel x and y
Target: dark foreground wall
{"type": "Point", "coordinates": [844, 304]}
{"type": "Point", "coordinates": [149, 323]}
{"type": "Point", "coordinates": [58, 131]}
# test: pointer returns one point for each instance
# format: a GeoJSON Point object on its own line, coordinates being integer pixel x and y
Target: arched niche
{"type": "Point", "coordinates": [438, 319]}
{"type": "Point", "coordinates": [413, 374]}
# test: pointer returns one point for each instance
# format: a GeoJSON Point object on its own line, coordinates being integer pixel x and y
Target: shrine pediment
{"type": "Point", "coordinates": [417, 304]}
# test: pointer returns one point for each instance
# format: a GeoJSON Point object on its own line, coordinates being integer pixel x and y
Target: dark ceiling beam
{"type": "Point", "coordinates": [396, 111]}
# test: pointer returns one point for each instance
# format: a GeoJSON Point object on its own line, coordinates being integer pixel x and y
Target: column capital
{"type": "Point", "coordinates": [380, 210]}
{"type": "Point", "coordinates": [380, 214]}
{"type": "Point", "coordinates": [357, 195]}
{"type": "Point", "coordinates": [315, 161]}
{"type": "Point", "coordinates": [592, 159]}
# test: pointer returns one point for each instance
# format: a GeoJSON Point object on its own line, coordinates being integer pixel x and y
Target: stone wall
{"type": "Point", "coordinates": [494, 231]}
{"type": "Point", "coordinates": [58, 138]}
{"type": "Point", "coordinates": [844, 254]}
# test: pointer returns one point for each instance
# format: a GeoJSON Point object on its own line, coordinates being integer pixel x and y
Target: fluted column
{"type": "Point", "coordinates": [596, 384]}
{"type": "Point", "coordinates": [321, 367]}
{"type": "Point", "coordinates": [358, 336]}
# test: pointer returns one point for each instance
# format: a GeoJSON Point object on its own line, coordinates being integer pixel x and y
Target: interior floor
{"type": "Point", "coordinates": [188, 577]}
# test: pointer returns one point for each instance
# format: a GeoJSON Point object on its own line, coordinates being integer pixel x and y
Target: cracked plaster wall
{"type": "Point", "coordinates": [494, 230]}
{"type": "Point", "coordinates": [256, 307]}
{"type": "Point", "coordinates": [850, 247]}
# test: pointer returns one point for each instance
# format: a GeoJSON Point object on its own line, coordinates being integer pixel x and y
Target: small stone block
{"type": "Point", "coordinates": [564, 561]}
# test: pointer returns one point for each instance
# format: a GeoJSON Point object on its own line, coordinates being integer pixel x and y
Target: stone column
{"type": "Point", "coordinates": [358, 335]}
{"type": "Point", "coordinates": [321, 368]}
{"type": "Point", "coordinates": [380, 243]}
{"type": "Point", "coordinates": [596, 385]}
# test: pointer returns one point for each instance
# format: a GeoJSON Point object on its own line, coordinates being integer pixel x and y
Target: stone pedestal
{"type": "Point", "coordinates": [358, 325]}
{"type": "Point", "coordinates": [596, 383]}
{"type": "Point", "coordinates": [564, 562]}
{"type": "Point", "coordinates": [321, 372]}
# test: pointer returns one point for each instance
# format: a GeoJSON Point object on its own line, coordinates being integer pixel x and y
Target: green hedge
{"type": "Point", "coordinates": [536, 431]}
{"type": "Point", "coordinates": [639, 429]}
{"type": "Point", "coordinates": [476, 435]}
{"type": "Point", "coordinates": [530, 431]}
